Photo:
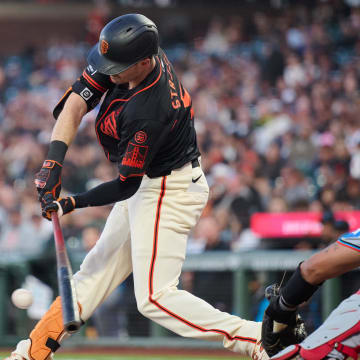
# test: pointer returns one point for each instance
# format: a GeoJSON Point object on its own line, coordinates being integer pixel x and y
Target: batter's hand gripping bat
{"type": "Point", "coordinates": [70, 308]}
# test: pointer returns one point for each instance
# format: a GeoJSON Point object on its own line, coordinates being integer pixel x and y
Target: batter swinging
{"type": "Point", "coordinates": [146, 126]}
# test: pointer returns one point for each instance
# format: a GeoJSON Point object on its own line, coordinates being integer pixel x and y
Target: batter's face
{"type": "Point", "coordinates": [125, 76]}
{"type": "Point", "coordinates": [134, 74]}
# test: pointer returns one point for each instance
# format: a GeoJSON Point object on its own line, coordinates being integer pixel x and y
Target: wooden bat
{"type": "Point", "coordinates": [70, 308]}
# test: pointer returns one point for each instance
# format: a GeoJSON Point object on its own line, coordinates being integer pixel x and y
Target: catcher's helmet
{"type": "Point", "coordinates": [123, 42]}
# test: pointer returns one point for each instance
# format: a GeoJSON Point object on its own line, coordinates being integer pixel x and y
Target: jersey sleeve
{"type": "Point", "coordinates": [91, 86]}
{"type": "Point", "coordinates": [139, 147]}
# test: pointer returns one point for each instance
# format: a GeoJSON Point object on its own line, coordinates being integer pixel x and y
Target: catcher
{"type": "Point", "coordinates": [281, 325]}
{"type": "Point", "coordinates": [331, 341]}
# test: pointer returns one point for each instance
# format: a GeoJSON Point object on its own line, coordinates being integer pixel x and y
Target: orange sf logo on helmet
{"type": "Point", "coordinates": [104, 46]}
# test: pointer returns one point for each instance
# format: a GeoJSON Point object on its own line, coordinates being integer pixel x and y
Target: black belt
{"type": "Point", "coordinates": [195, 163]}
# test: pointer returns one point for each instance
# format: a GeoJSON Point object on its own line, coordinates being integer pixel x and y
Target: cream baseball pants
{"type": "Point", "coordinates": [147, 235]}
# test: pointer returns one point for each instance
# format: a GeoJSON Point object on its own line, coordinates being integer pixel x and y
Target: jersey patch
{"type": "Point", "coordinates": [135, 155]}
{"type": "Point", "coordinates": [86, 94]}
{"type": "Point", "coordinates": [140, 137]}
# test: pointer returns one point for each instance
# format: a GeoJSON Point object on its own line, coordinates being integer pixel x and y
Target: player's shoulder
{"type": "Point", "coordinates": [353, 235]}
{"type": "Point", "coordinates": [136, 112]}
{"type": "Point", "coordinates": [162, 56]}
{"type": "Point", "coordinates": [149, 93]}
{"type": "Point", "coordinates": [139, 109]}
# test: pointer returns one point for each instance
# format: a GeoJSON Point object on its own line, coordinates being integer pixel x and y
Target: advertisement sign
{"type": "Point", "coordinates": [297, 224]}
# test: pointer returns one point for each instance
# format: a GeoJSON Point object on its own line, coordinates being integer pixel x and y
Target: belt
{"type": "Point", "coordinates": [195, 163]}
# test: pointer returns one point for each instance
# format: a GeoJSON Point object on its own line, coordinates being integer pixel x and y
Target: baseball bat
{"type": "Point", "coordinates": [70, 308]}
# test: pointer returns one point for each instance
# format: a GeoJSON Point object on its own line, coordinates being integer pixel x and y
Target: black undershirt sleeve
{"type": "Point", "coordinates": [108, 193]}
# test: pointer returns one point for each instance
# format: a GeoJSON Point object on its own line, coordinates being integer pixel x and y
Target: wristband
{"type": "Point", "coordinates": [297, 289]}
{"type": "Point", "coordinates": [57, 151]}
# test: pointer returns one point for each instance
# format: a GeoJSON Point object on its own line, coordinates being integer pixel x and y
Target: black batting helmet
{"type": "Point", "coordinates": [123, 42]}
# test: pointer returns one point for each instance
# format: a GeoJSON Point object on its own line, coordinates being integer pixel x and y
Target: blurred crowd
{"type": "Point", "coordinates": [277, 106]}
{"type": "Point", "coordinates": [276, 103]}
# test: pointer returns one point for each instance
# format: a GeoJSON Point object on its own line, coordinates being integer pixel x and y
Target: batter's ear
{"type": "Point", "coordinates": [146, 61]}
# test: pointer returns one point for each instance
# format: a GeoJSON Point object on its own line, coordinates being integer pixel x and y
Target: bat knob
{"type": "Point", "coordinates": [72, 327]}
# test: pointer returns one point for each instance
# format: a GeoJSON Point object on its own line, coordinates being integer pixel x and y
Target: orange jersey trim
{"type": "Point", "coordinates": [123, 178]}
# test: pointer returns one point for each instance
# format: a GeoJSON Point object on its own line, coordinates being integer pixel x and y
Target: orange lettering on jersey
{"type": "Point", "coordinates": [176, 104]}
{"type": "Point", "coordinates": [108, 125]}
{"type": "Point", "coordinates": [175, 96]}
{"type": "Point", "coordinates": [172, 85]}
{"type": "Point", "coordinates": [135, 156]}
{"type": "Point", "coordinates": [168, 67]}
{"type": "Point", "coordinates": [186, 99]}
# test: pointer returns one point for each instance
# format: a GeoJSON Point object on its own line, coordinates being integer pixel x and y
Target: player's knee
{"type": "Point", "coordinates": [145, 307]}
{"type": "Point", "coordinates": [149, 306]}
{"type": "Point", "coordinates": [313, 272]}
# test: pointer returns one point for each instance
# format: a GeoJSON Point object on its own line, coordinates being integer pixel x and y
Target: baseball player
{"type": "Point", "coordinates": [146, 126]}
{"type": "Point", "coordinates": [336, 259]}
{"type": "Point", "coordinates": [338, 338]}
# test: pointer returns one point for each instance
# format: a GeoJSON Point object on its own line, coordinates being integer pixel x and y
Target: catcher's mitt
{"type": "Point", "coordinates": [280, 328]}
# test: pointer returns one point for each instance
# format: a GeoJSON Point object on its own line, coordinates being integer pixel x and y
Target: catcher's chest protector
{"type": "Point", "coordinates": [340, 332]}
{"type": "Point", "coordinates": [342, 323]}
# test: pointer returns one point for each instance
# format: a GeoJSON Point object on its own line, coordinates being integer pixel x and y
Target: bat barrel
{"type": "Point", "coordinates": [71, 316]}
{"type": "Point", "coordinates": [70, 308]}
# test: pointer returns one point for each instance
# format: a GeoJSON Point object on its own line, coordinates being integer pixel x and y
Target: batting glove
{"type": "Point", "coordinates": [61, 206]}
{"type": "Point", "coordinates": [47, 180]}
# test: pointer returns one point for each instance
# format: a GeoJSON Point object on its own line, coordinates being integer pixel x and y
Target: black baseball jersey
{"type": "Point", "coordinates": [146, 130]}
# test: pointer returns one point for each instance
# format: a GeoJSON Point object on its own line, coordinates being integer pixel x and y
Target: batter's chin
{"type": "Point", "coordinates": [117, 81]}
